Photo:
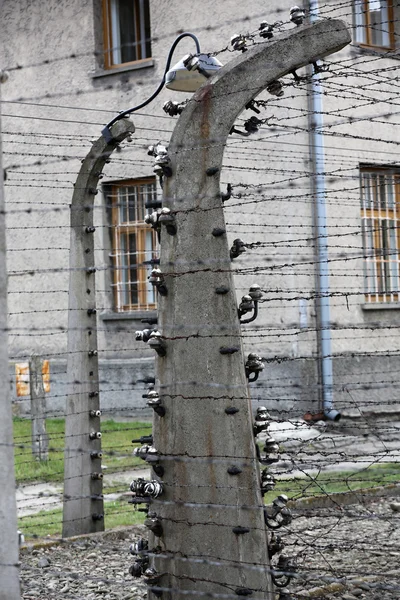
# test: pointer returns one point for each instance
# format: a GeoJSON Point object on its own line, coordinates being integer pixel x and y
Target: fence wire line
{"type": "Point", "coordinates": [309, 460]}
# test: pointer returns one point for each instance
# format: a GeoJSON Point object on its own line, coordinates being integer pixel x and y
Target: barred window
{"type": "Point", "coordinates": [373, 21]}
{"type": "Point", "coordinates": [133, 243]}
{"type": "Point", "coordinates": [126, 25]}
{"type": "Point", "coordinates": [380, 214]}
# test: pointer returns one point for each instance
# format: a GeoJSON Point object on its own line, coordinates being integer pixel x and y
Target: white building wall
{"type": "Point", "coordinates": [43, 147]}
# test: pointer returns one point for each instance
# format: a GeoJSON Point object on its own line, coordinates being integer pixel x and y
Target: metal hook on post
{"type": "Point", "coordinates": [250, 303]}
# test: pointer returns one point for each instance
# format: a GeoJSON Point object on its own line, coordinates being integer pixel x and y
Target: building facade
{"type": "Point", "coordinates": [74, 64]}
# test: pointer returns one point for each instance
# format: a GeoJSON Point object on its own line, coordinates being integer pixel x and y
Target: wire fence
{"type": "Point", "coordinates": [341, 479]}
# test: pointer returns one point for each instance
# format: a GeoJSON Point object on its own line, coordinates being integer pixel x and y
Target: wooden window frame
{"type": "Point", "coordinates": [376, 262]}
{"type": "Point", "coordinates": [108, 41]}
{"type": "Point", "coordinates": [367, 27]}
{"type": "Point", "coordinates": [141, 230]}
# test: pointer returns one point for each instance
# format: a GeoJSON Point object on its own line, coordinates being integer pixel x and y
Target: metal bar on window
{"type": "Point", "coordinates": [131, 245]}
{"type": "Point", "coordinates": [372, 261]}
{"type": "Point", "coordinates": [391, 238]}
{"type": "Point", "coordinates": [378, 236]}
{"type": "Point", "coordinates": [396, 221]}
{"type": "Point", "coordinates": [384, 230]}
{"type": "Point", "coordinates": [148, 255]}
{"type": "Point", "coordinates": [374, 224]}
{"type": "Point", "coordinates": [367, 226]}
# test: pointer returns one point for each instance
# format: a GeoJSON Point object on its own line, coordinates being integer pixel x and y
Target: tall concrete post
{"type": "Point", "coordinates": [9, 569]}
{"type": "Point", "coordinates": [83, 500]}
{"type": "Point", "coordinates": [40, 439]}
{"type": "Point", "coordinates": [214, 539]}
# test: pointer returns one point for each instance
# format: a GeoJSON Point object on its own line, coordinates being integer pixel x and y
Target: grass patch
{"type": "Point", "coordinates": [119, 513]}
{"type": "Point", "coordinates": [117, 449]}
{"type": "Point", "coordinates": [116, 445]}
{"type": "Point", "coordinates": [336, 482]}
{"type": "Point", "coordinates": [48, 523]}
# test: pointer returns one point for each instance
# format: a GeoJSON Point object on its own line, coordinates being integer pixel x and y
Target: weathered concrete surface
{"type": "Point", "coordinates": [9, 578]}
{"type": "Point", "coordinates": [202, 502]}
{"type": "Point", "coordinates": [82, 473]}
{"type": "Point", "coordinates": [40, 439]}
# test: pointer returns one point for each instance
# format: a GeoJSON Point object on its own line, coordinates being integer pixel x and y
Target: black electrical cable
{"type": "Point", "coordinates": [106, 131]}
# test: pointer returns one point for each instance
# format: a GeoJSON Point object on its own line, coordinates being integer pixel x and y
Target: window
{"type": "Point", "coordinates": [373, 21]}
{"type": "Point", "coordinates": [380, 214]}
{"type": "Point", "coordinates": [126, 32]}
{"type": "Point", "coordinates": [133, 243]}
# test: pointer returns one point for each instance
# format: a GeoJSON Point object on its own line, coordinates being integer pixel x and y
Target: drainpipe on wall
{"type": "Point", "coordinates": [321, 245]}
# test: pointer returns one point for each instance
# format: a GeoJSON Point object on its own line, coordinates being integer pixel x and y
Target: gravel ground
{"type": "Point", "coordinates": [91, 569]}
{"type": "Point", "coordinates": [347, 552]}
{"type": "Point", "coordinates": [342, 552]}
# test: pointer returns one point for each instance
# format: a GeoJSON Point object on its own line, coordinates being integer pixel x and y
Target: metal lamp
{"type": "Point", "coordinates": [191, 72]}
{"type": "Point", "coordinates": [186, 76]}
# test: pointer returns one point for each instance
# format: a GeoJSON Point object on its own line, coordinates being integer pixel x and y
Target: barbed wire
{"type": "Point", "coordinates": [35, 187]}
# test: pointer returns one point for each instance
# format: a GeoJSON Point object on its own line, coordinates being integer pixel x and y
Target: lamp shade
{"type": "Point", "coordinates": [180, 79]}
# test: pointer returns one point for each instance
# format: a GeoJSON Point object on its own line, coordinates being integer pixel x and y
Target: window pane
{"type": "Point", "coordinates": [133, 243]}
{"type": "Point", "coordinates": [127, 22]}
{"type": "Point", "coordinates": [122, 199]}
{"type": "Point", "coordinates": [115, 33]}
{"type": "Point", "coordinates": [124, 268]}
{"type": "Point", "coordinates": [146, 23]}
{"type": "Point", "coordinates": [366, 200]}
{"type": "Point", "coordinates": [379, 22]}
{"type": "Point", "coordinates": [389, 193]}
{"type": "Point", "coordinates": [143, 198]}
{"type": "Point", "coordinates": [133, 270]}
{"type": "Point", "coordinates": [394, 271]}
{"type": "Point", "coordinates": [385, 239]}
{"type": "Point", "coordinates": [149, 254]}
{"type": "Point", "coordinates": [374, 192]}
{"type": "Point", "coordinates": [382, 192]}
{"type": "Point", "coordinates": [360, 21]}
{"type": "Point", "coordinates": [129, 31]}
{"type": "Point", "coordinates": [368, 243]}
{"type": "Point", "coordinates": [149, 193]}
{"type": "Point", "coordinates": [133, 205]}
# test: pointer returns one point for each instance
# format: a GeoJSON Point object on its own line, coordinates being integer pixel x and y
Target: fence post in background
{"type": "Point", "coordinates": [83, 509]}
{"type": "Point", "coordinates": [40, 439]}
{"type": "Point", "coordinates": [9, 567]}
{"type": "Point", "coordinates": [212, 538]}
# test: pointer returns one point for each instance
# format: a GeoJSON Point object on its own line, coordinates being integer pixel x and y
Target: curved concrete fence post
{"type": "Point", "coordinates": [83, 501]}
{"type": "Point", "coordinates": [214, 541]}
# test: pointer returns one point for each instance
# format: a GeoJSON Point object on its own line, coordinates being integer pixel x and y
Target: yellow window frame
{"type": "Point", "coordinates": [108, 42]}
{"type": "Point", "coordinates": [368, 27]}
{"type": "Point", "coordinates": [376, 215]}
{"type": "Point", "coordinates": [141, 231]}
